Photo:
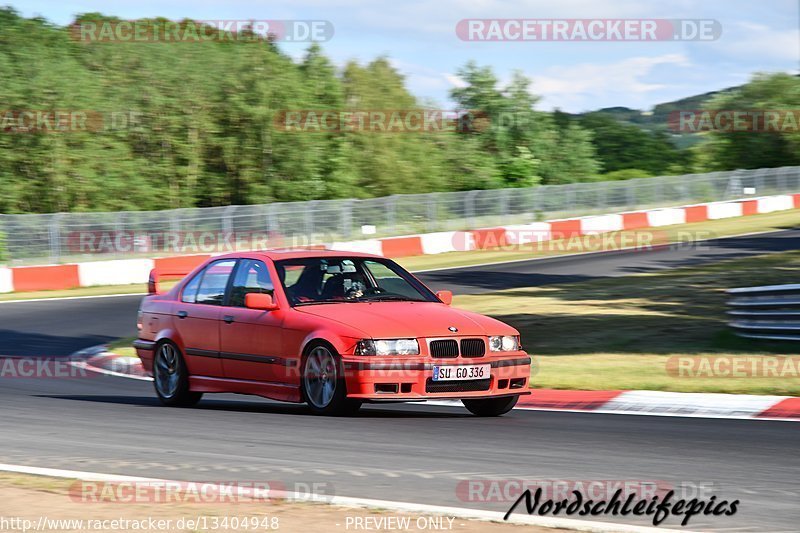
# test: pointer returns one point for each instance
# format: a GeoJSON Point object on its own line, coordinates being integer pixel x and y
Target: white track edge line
{"type": "Point", "coordinates": [635, 413]}
{"type": "Point", "coordinates": [114, 295]}
{"type": "Point", "coordinates": [346, 501]}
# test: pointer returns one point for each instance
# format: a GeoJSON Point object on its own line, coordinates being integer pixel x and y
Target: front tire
{"type": "Point", "coordinates": [323, 383]}
{"type": "Point", "coordinates": [491, 406]}
{"type": "Point", "coordinates": [171, 377]}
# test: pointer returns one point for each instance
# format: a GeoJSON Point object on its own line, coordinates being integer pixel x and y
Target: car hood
{"type": "Point", "coordinates": [408, 319]}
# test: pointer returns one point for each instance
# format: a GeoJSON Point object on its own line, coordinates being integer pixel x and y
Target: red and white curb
{"type": "Point", "coordinates": [657, 403]}
{"type": "Point", "coordinates": [130, 271]}
{"type": "Point", "coordinates": [99, 360]}
{"type": "Point", "coordinates": [634, 402]}
{"type": "Point", "coordinates": [365, 503]}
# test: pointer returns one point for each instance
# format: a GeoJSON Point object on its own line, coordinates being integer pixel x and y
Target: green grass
{"type": "Point", "coordinates": [105, 290]}
{"type": "Point", "coordinates": [123, 347]}
{"type": "Point", "coordinates": [618, 333]}
{"type": "Point", "coordinates": [71, 293]}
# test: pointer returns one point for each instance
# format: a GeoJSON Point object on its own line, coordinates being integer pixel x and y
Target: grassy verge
{"type": "Point", "coordinates": [105, 290]}
{"type": "Point", "coordinates": [123, 347]}
{"type": "Point", "coordinates": [618, 333]}
{"type": "Point", "coordinates": [137, 288]}
{"type": "Point", "coordinates": [680, 233]}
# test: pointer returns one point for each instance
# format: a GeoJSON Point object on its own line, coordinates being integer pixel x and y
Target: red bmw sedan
{"type": "Point", "coordinates": [330, 329]}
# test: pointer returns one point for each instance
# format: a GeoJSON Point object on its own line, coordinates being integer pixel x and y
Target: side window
{"type": "Point", "coordinates": [251, 276]}
{"type": "Point", "coordinates": [215, 279]}
{"type": "Point", "coordinates": [189, 293]}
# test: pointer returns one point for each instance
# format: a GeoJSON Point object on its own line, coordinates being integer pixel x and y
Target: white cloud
{"type": "Point", "coordinates": [578, 87]}
{"type": "Point", "coordinates": [757, 41]}
{"type": "Point", "coordinates": [455, 81]}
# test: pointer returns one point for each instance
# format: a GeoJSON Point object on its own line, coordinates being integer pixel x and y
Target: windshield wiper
{"type": "Point", "coordinates": [390, 298]}
{"type": "Point", "coordinates": [322, 302]}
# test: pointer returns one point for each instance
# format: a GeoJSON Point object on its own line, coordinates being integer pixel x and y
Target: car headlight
{"type": "Point", "coordinates": [504, 343]}
{"type": "Point", "coordinates": [387, 347]}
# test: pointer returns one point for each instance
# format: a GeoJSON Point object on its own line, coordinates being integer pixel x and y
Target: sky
{"type": "Point", "coordinates": [420, 39]}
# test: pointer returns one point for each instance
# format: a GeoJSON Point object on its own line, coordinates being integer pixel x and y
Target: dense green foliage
{"type": "Point", "coordinates": [776, 92]}
{"type": "Point", "coordinates": [625, 146]}
{"type": "Point", "coordinates": [205, 131]}
{"type": "Point", "coordinates": [201, 128]}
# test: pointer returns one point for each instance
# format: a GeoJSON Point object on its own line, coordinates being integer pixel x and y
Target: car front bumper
{"type": "Point", "coordinates": [400, 380]}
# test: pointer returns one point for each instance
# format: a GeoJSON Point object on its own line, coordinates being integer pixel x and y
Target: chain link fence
{"type": "Point", "coordinates": [68, 237]}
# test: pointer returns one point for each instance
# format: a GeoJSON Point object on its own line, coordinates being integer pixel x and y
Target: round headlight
{"type": "Point", "coordinates": [495, 344]}
{"type": "Point", "coordinates": [382, 347]}
{"type": "Point", "coordinates": [509, 344]}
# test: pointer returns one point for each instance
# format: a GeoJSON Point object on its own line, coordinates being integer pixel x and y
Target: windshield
{"type": "Point", "coordinates": [319, 280]}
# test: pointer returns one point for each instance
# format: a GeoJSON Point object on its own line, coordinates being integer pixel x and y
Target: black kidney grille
{"type": "Point", "coordinates": [446, 348]}
{"type": "Point", "coordinates": [458, 386]}
{"type": "Point", "coordinates": [473, 348]}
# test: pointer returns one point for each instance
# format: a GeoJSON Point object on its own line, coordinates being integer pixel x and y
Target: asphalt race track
{"type": "Point", "coordinates": [416, 453]}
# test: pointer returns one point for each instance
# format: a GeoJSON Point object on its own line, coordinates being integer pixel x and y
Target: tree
{"type": "Point", "coordinates": [746, 149]}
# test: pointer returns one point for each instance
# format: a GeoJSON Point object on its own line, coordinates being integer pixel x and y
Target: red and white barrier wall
{"type": "Point", "coordinates": [128, 271]}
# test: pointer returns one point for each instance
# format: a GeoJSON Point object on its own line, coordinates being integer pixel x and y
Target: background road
{"type": "Point", "coordinates": [415, 453]}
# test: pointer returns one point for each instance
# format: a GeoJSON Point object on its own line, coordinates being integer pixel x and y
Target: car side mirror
{"type": "Point", "coordinates": [445, 296]}
{"type": "Point", "coordinates": [264, 302]}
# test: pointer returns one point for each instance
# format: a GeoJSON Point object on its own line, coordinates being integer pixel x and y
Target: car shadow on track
{"type": "Point", "coordinates": [370, 411]}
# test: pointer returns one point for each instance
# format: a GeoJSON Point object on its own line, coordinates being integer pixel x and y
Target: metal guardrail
{"type": "Point", "coordinates": [770, 312]}
{"type": "Point", "coordinates": [57, 237]}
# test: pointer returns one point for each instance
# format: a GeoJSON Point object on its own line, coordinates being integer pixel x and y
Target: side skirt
{"type": "Point", "coordinates": [273, 391]}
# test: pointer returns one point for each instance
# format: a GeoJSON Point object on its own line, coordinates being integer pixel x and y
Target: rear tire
{"type": "Point", "coordinates": [171, 377]}
{"type": "Point", "coordinates": [491, 406]}
{"type": "Point", "coordinates": [323, 384]}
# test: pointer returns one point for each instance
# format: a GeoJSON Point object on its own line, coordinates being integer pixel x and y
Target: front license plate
{"type": "Point", "coordinates": [461, 373]}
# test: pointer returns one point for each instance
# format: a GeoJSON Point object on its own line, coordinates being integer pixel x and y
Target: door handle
{"type": "Point", "coordinates": [228, 319]}
{"type": "Point", "coordinates": [182, 314]}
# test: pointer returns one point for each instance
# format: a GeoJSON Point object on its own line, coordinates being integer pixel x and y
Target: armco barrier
{"type": "Point", "coordinates": [123, 272]}
{"type": "Point", "coordinates": [770, 312]}
{"type": "Point", "coordinates": [57, 238]}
